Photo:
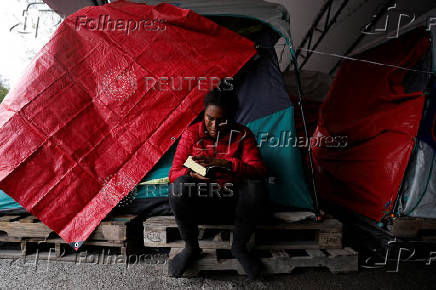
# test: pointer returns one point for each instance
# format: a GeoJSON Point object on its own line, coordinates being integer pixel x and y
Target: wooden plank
{"type": "Point", "coordinates": [297, 245]}
{"type": "Point", "coordinates": [157, 236]}
{"type": "Point", "coordinates": [337, 252]}
{"type": "Point", "coordinates": [279, 254]}
{"type": "Point", "coordinates": [330, 240]}
{"type": "Point", "coordinates": [280, 262]}
{"type": "Point", "coordinates": [9, 239]}
{"type": "Point", "coordinates": [29, 232]}
{"type": "Point", "coordinates": [315, 253]}
{"type": "Point", "coordinates": [28, 219]}
{"type": "Point", "coordinates": [25, 230]}
{"type": "Point", "coordinates": [91, 243]}
{"type": "Point", "coordinates": [203, 245]}
{"type": "Point", "coordinates": [332, 225]}
{"type": "Point", "coordinates": [350, 251]}
{"type": "Point", "coordinates": [408, 227]}
{"type": "Point", "coordinates": [30, 227]}
{"type": "Point", "coordinates": [58, 250]}
{"type": "Point", "coordinates": [7, 218]}
{"type": "Point", "coordinates": [111, 232]}
{"type": "Point", "coordinates": [23, 245]}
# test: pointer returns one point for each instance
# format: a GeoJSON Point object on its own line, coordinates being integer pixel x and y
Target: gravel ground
{"type": "Point", "coordinates": [19, 274]}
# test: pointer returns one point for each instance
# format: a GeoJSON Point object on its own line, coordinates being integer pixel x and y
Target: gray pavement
{"type": "Point", "coordinates": [17, 274]}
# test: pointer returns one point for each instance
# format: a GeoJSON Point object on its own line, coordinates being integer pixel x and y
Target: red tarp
{"type": "Point", "coordinates": [368, 104]}
{"type": "Point", "coordinates": [82, 127]}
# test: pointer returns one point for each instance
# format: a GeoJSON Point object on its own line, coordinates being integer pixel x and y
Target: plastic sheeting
{"type": "Point", "coordinates": [418, 192]}
{"type": "Point", "coordinates": [417, 196]}
{"type": "Point", "coordinates": [81, 129]}
{"type": "Point", "coordinates": [368, 105]}
{"type": "Point", "coordinates": [272, 13]}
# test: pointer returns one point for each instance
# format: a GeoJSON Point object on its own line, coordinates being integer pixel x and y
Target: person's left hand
{"type": "Point", "coordinates": [207, 161]}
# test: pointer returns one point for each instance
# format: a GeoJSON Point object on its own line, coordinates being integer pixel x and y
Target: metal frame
{"type": "Point", "coordinates": [374, 21]}
{"type": "Point", "coordinates": [315, 31]}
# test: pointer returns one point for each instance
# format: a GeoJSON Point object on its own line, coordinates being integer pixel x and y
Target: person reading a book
{"type": "Point", "coordinates": [217, 176]}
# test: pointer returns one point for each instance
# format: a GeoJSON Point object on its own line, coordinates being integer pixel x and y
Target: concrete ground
{"type": "Point", "coordinates": [20, 274]}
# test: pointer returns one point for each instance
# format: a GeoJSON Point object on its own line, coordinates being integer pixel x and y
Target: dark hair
{"type": "Point", "coordinates": [226, 99]}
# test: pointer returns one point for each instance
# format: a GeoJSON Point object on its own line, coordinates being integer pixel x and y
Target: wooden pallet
{"type": "Point", "coordinates": [419, 229]}
{"type": "Point", "coordinates": [26, 236]}
{"type": "Point", "coordinates": [409, 227]}
{"type": "Point", "coordinates": [276, 261]}
{"type": "Point", "coordinates": [163, 232]}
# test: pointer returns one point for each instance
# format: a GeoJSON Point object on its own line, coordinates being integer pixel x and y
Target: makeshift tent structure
{"type": "Point", "coordinates": [417, 195]}
{"type": "Point", "coordinates": [264, 106]}
{"type": "Point", "coordinates": [85, 142]}
{"type": "Point", "coordinates": [379, 109]}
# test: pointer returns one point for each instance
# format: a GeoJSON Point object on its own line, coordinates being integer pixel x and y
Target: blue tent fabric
{"type": "Point", "coordinates": [276, 139]}
{"type": "Point", "coordinates": [265, 107]}
{"type": "Point", "coordinates": [160, 170]}
{"type": "Point", "coordinates": [261, 90]}
{"type": "Point", "coordinates": [427, 131]}
{"type": "Point", "coordinates": [7, 202]}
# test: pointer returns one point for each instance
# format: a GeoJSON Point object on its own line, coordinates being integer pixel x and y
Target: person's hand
{"type": "Point", "coordinates": [212, 161]}
{"type": "Point", "coordinates": [198, 176]}
{"type": "Point", "coordinates": [221, 162]}
{"type": "Point", "coordinates": [202, 160]}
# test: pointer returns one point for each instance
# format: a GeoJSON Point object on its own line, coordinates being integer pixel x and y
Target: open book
{"type": "Point", "coordinates": [204, 171]}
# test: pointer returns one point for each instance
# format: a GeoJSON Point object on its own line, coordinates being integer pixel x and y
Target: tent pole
{"type": "Point", "coordinates": [314, 190]}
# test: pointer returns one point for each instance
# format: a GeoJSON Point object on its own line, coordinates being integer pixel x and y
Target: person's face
{"type": "Point", "coordinates": [215, 120]}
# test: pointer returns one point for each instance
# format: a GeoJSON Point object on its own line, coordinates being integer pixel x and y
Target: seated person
{"type": "Point", "coordinates": [237, 195]}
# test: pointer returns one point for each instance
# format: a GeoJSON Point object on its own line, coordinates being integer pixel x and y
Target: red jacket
{"type": "Point", "coordinates": [238, 146]}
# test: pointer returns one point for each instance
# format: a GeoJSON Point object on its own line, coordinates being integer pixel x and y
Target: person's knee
{"type": "Point", "coordinates": [182, 188]}
{"type": "Point", "coordinates": [183, 179]}
{"type": "Point", "coordinates": [253, 192]}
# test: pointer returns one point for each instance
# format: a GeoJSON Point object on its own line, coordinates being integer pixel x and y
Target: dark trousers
{"type": "Point", "coordinates": [196, 202]}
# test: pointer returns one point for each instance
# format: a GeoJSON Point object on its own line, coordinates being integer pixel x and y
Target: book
{"type": "Point", "coordinates": [209, 171]}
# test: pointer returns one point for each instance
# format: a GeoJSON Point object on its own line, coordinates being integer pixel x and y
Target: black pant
{"type": "Point", "coordinates": [196, 202]}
